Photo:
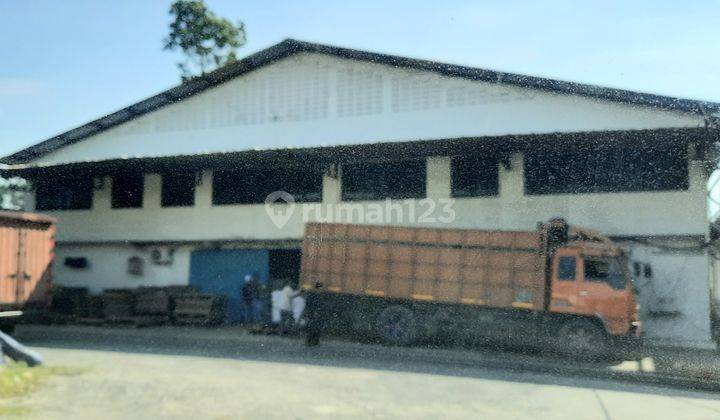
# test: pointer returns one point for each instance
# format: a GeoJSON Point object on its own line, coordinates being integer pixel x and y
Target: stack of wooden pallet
{"type": "Point", "coordinates": [197, 309]}
{"type": "Point", "coordinates": [152, 306]}
{"type": "Point", "coordinates": [143, 306]}
{"type": "Point", "coordinates": [90, 311]}
{"type": "Point", "coordinates": [69, 300]}
{"type": "Point", "coordinates": [118, 305]}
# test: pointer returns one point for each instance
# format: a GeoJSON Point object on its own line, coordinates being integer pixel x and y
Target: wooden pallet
{"type": "Point", "coordinates": [200, 310]}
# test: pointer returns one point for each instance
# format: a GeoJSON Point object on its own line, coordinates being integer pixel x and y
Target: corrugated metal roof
{"type": "Point", "coordinates": [290, 47]}
{"type": "Point", "coordinates": [319, 156]}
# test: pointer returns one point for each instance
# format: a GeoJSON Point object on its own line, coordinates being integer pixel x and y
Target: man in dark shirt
{"type": "Point", "coordinates": [314, 315]}
{"type": "Point", "coordinates": [251, 298]}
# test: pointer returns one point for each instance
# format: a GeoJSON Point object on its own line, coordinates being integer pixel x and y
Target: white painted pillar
{"type": "Point", "coordinates": [332, 188]}
{"type": "Point", "coordinates": [512, 180]}
{"type": "Point", "coordinates": [29, 201]}
{"type": "Point", "coordinates": [698, 185]}
{"type": "Point", "coordinates": [151, 191]}
{"type": "Point", "coordinates": [697, 175]}
{"type": "Point", "coordinates": [203, 192]}
{"type": "Point", "coordinates": [438, 177]}
{"type": "Point", "coordinates": [102, 197]}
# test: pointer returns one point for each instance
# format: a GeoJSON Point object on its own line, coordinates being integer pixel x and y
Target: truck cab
{"type": "Point", "coordinates": [589, 278]}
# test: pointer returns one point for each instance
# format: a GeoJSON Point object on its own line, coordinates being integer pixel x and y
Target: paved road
{"type": "Point", "coordinates": [159, 374]}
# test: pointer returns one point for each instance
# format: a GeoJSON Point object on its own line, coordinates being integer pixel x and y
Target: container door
{"type": "Point", "coordinates": [9, 248]}
{"type": "Point", "coordinates": [222, 272]}
{"type": "Point", "coordinates": [35, 263]}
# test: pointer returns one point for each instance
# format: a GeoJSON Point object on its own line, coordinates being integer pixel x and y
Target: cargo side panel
{"type": "Point", "coordinates": [36, 255]}
{"type": "Point", "coordinates": [488, 268]}
{"type": "Point", "coordinates": [27, 246]}
{"type": "Point", "coordinates": [9, 248]}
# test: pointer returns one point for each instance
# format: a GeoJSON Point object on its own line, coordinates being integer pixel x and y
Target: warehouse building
{"type": "Point", "coordinates": [172, 189]}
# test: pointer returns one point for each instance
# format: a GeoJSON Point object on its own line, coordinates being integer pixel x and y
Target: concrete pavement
{"type": "Point", "coordinates": [690, 370]}
{"type": "Point", "coordinates": [120, 385]}
{"type": "Point", "coordinates": [157, 373]}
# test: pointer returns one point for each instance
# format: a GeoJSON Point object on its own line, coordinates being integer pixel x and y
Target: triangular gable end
{"type": "Point", "coordinates": [316, 98]}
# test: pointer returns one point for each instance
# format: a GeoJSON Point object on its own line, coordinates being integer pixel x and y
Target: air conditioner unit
{"type": "Point", "coordinates": [162, 255]}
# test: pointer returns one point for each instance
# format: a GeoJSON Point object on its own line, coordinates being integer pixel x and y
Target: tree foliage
{"type": "Point", "coordinates": [12, 193]}
{"type": "Point", "coordinates": [206, 40]}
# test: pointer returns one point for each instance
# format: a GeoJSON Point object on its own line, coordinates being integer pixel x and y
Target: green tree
{"type": "Point", "coordinates": [206, 40]}
{"type": "Point", "coordinates": [12, 193]}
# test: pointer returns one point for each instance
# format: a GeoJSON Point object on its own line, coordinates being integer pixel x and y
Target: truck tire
{"type": "Point", "coordinates": [583, 340]}
{"type": "Point", "coordinates": [443, 329]}
{"type": "Point", "coordinates": [396, 326]}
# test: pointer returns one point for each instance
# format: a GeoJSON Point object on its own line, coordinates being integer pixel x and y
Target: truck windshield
{"type": "Point", "coordinates": [605, 269]}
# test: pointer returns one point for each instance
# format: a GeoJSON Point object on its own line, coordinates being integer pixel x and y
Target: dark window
{"type": "Point", "coordinates": [178, 189]}
{"type": "Point", "coordinates": [135, 266]}
{"type": "Point", "coordinates": [76, 262]}
{"type": "Point", "coordinates": [605, 270]}
{"type": "Point", "coordinates": [127, 191]}
{"type": "Point", "coordinates": [596, 269]}
{"type": "Point", "coordinates": [380, 180]}
{"type": "Point", "coordinates": [637, 269]}
{"type": "Point", "coordinates": [252, 186]}
{"type": "Point", "coordinates": [566, 268]}
{"type": "Point", "coordinates": [474, 176]}
{"type": "Point", "coordinates": [596, 170]}
{"type": "Point", "coordinates": [64, 194]}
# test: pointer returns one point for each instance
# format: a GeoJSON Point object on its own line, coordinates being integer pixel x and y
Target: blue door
{"type": "Point", "coordinates": [222, 272]}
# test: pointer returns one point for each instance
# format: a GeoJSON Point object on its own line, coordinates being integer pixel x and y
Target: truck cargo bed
{"type": "Point", "coordinates": [501, 269]}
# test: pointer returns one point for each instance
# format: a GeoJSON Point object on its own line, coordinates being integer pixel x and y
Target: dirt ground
{"type": "Point", "coordinates": [160, 375]}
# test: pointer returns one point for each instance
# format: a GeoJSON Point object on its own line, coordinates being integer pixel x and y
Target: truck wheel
{"type": "Point", "coordinates": [443, 329]}
{"type": "Point", "coordinates": [583, 340]}
{"type": "Point", "coordinates": [396, 326]}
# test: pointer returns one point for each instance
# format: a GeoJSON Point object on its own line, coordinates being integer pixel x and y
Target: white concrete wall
{"type": "Point", "coordinates": [715, 280]}
{"type": "Point", "coordinates": [675, 302]}
{"type": "Point", "coordinates": [312, 100]}
{"type": "Point", "coordinates": [107, 267]}
{"type": "Point", "coordinates": [646, 213]}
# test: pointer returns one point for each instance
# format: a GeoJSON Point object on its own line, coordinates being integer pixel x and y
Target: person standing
{"type": "Point", "coordinates": [251, 298]}
{"type": "Point", "coordinates": [287, 322]}
{"type": "Point", "coordinates": [314, 315]}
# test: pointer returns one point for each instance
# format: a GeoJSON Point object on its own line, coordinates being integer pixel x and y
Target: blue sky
{"type": "Point", "coordinates": [63, 63]}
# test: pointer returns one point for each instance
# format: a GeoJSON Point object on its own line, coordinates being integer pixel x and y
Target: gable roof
{"type": "Point", "coordinates": [290, 47]}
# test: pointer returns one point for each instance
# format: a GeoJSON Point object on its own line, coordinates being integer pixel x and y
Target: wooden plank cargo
{"type": "Point", "coordinates": [493, 268]}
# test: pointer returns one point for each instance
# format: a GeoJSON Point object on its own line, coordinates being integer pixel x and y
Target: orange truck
{"type": "Point", "coordinates": [560, 285]}
{"type": "Point", "coordinates": [27, 248]}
